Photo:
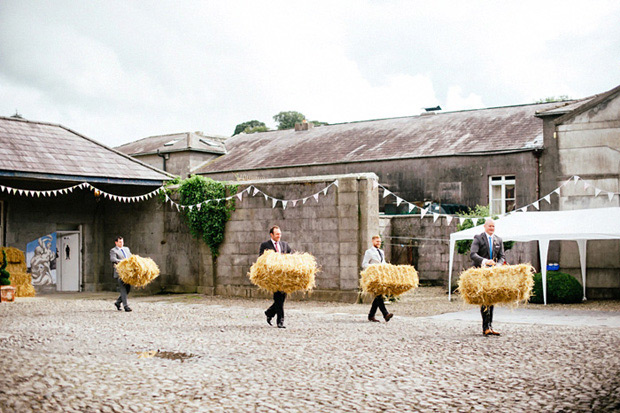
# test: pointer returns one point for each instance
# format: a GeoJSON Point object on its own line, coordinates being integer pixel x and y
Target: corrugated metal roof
{"type": "Point", "coordinates": [509, 128]}
{"type": "Point", "coordinates": [48, 149]}
{"type": "Point", "coordinates": [175, 142]}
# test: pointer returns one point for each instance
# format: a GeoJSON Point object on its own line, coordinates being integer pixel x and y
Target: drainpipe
{"type": "Point", "coordinates": [165, 157]}
{"type": "Point", "coordinates": [537, 155]}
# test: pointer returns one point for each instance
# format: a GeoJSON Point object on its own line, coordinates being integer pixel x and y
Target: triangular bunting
{"type": "Point", "coordinates": [336, 182]}
{"type": "Point", "coordinates": [597, 192]}
{"type": "Point", "coordinates": [586, 185]}
{"type": "Point", "coordinates": [284, 204]}
{"type": "Point", "coordinates": [316, 197]}
{"type": "Point", "coordinates": [198, 207]}
{"type": "Point", "coordinates": [266, 197]}
{"type": "Point", "coordinates": [449, 219]}
{"type": "Point", "coordinates": [21, 191]}
{"type": "Point", "coordinates": [411, 206]}
{"type": "Point", "coordinates": [325, 191]}
{"type": "Point", "coordinates": [610, 195]}
{"type": "Point", "coordinates": [294, 202]}
{"type": "Point", "coordinates": [548, 198]}
{"type": "Point", "coordinates": [423, 212]}
{"type": "Point", "coordinates": [386, 192]}
{"type": "Point", "coordinates": [303, 201]}
{"type": "Point", "coordinates": [375, 184]}
{"type": "Point", "coordinates": [462, 220]}
{"type": "Point", "coordinates": [524, 209]}
{"type": "Point", "coordinates": [240, 196]}
{"type": "Point", "coordinates": [435, 216]}
{"type": "Point", "coordinates": [536, 205]}
{"type": "Point", "coordinates": [398, 201]}
{"type": "Point", "coordinates": [576, 178]}
{"type": "Point", "coordinates": [256, 191]}
{"type": "Point", "coordinates": [557, 191]}
{"type": "Point", "coordinates": [275, 202]}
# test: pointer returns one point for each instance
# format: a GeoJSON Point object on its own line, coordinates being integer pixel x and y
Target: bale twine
{"type": "Point", "coordinates": [288, 273]}
{"type": "Point", "coordinates": [137, 271]}
{"type": "Point", "coordinates": [388, 279]}
{"type": "Point", "coordinates": [14, 255]}
{"type": "Point", "coordinates": [502, 284]}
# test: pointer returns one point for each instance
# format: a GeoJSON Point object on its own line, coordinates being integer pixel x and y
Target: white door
{"type": "Point", "coordinates": [69, 262]}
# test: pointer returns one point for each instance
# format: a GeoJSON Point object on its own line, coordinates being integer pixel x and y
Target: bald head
{"type": "Point", "coordinates": [489, 226]}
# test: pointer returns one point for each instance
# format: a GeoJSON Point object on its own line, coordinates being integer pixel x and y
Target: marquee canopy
{"type": "Point", "coordinates": [543, 226]}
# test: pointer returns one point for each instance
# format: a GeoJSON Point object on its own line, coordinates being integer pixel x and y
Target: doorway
{"type": "Point", "coordinates": [69, 261]}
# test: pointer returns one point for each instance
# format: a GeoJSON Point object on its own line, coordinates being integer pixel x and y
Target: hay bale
{"type": "Point", "coordinates": [273, 272]}
{"type": "Point", "coordinates": [26, 290]}
{"type": "Point", "coordinates": [137, 271]}
{"type": "Point", "coordinates": [502, 284]}
{"type": "Point", "coordinates": [13, 255]}
{"type": "Point", "coordinates": [388, 279]}
{"type": "Point", "coordinates": [14, 267]}
{"type": "Point", "coordinates": [20, 278]}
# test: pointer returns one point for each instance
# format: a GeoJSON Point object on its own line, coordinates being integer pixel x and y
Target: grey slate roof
{"type": "Point", "coordinates": [510, 128]}
{"type": "Point", "coordinates": [194, 141]}
{"type": "Point", "coordinates": [50, 151]}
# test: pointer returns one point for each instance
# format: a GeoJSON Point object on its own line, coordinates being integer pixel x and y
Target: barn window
{"type": "Point", "coordinates": [502, 197]}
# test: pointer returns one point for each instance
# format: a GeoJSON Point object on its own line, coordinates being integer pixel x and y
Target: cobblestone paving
{"type": "Point", "coordinates": [82, 355]}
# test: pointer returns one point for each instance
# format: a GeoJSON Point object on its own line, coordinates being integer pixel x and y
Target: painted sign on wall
{"type": "Point", "coordinates": [41, 259]}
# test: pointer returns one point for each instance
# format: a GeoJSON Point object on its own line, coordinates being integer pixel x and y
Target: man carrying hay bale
{"type": "Point", "coordinates": [277, 308]}
{"type": "Point", "coordinates": [118, 254]}
{"type": "Point", "coordinates": [487, 250]}
{"type": "Point", "coordinates": [375, 255]}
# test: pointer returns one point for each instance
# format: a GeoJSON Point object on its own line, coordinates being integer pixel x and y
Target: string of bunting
{"type": "Point", "coordinates": [84, 185]}
{"type": "Point", "coordinates": [254, 191]}
{"type": "Point", "coordinates": [536, 204]}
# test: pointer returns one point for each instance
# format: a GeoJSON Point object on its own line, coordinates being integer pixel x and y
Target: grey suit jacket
{"type": "Point", "coordinates": [480, 249]}
{"type": "Point", "coordinates": [117, 256]}
{"type": "Point", "coordinates": [372, 256]}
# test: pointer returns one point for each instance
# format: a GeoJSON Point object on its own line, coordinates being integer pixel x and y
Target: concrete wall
{"type": "Point", "coordinates": [179, 163]}
{"type": "Point", "coordinates": [425, 245]}
{"type": "Point", "coordinates": [589, 146]}
{"type": "Point", "coordinates": [450, 179]}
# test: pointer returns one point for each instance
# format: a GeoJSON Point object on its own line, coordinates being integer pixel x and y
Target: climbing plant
{"type": "Point", "coordinates": [207, 223]}
{"type": "Point", "coordinates": [4, 274]}
{"type": "Point", "coordinates": [464, 246]}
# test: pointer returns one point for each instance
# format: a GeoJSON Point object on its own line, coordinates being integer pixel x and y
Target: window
{"type": "Point", "coordinates": [502, 194]}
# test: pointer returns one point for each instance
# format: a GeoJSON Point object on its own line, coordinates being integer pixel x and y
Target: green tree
{"type": "Point", "coordinates": [250, 126]}
{"type": "Point", "coordinates": [287, 120]}
{"type": "Point", "coordinates": [550, 99]}
{"type": "Point", "coordinates": [464, 246]}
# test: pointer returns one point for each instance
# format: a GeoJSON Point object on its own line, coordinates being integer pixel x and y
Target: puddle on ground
{"type": "Point", "coordinates": [170, 355]}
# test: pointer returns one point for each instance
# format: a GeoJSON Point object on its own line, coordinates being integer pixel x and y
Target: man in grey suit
{"type": "Point", "coordinates": [118, 254]}
{"type": "Point", "coordinates": [487, 250]}
{"type": "Point", "coordinates": [277, 308]}
{"type": "Point", "coordinates": [375, 255]}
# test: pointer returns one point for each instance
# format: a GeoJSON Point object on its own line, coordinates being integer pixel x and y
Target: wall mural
{"type": "Point", "coordinates": [41, 259]}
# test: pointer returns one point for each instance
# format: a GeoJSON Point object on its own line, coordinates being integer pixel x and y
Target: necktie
{"type": "Point", "coordinates": [277, 244]}
{"type": "Point", "coordinates": [490, 247]}
{"type": "Point", "coordinates": [381, 255]}
{"type": "Point", "coordinates": [123, 251]}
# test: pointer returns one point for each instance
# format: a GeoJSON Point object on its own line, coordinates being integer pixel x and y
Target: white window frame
{"type": "Point", "coordinates": [502, 182]}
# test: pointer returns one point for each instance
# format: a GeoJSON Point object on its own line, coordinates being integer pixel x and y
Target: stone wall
{"type": "Point", "coordinates": [425, 244]}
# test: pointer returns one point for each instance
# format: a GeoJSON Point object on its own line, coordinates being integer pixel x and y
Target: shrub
{"type": "Point", "coordinates": [561, 288]}
{"type": "Point", "coordinates": [4, 274]}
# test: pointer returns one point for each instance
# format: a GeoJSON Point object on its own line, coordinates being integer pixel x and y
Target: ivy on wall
{"type": "Point", "coordinates": [464, 246]}
{"type": "Point", "coordinates": [208, 222]}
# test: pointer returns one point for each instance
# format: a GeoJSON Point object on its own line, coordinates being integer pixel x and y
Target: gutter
{"type": "Point", "coordinates": [77, 178]}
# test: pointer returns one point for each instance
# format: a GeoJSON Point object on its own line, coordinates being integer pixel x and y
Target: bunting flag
{"type": "Point", "coordinates": [548, 198]}
{"type": "Point", "coordinates": [449, 219]}
{"type": "Point", "coordinates": [256, 191]}
{"type": "Point", "coordinates": [435, 216]}
{"type": "Point", "coordinates": [462, 220]}
{"type": "Point", "coordinates": [411, 206]}
{"type": "Point", "coordinates": [423, 212]}
{"type": "Point", "coordinates": [610, 195]}
{"type": "Point", "coordinates": [294, 202]}
{"type": "Point", "coordinates": [336, 182]}
{"type": "Point", "coordinates": [316, 197]}
{"type": "Point", "coordinates": [375, 184]}
{"type": "Point", "coordinates": [399, 200]}
{"type": "Point", "coordinates": [386, 192]}
{"type": "Point", "coordinates": [284, 204]}
{"type": "Point", "coordinates": [536, 205]}
{"type": "Point", "coordinates": [240, 195]}
{"type": "Point", "coordinates": [597, 192]}
{"type": "Point", "coordinates": [275, 202]}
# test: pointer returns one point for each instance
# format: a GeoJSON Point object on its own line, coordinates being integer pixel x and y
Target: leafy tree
{"type": "Point", "coordinates": [464, 246]}
{"type": "Point", "coordinates": [550, 99]}
{"type": "Point", "coordinates": [250, 126]}
{"type": "Point", "coordinates": [287, 120]}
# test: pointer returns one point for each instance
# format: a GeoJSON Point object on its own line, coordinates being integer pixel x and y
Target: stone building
{"type": "Point", "coordinates": [177, 153]}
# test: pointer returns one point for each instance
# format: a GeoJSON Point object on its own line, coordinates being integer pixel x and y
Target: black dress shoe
{"type": "Point", "coordinates": [128, 309]}
{"type": "Point", "coordinates": [118, 306]}
{"type": "Point", "coordinates": [268, 319]}
{"type": "Point", "coordinates": [281, 324]}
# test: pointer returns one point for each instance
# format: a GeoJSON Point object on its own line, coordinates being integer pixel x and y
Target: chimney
{"type": "Point", "coordinates": [304, 125]}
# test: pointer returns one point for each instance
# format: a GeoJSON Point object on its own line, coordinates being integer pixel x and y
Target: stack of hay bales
{"type": "Point", "coordinates": [20, 279]}
{"type": "Point", "coordinates": [288, 273]}
{"type": "Point", "coordinates": [388, 279]}
{"type": "Point", "coordinates": [137, 271]}
{"type": "Point", "coordinates": [502, 284]}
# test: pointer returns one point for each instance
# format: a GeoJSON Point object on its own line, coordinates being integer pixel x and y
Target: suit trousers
{"type": "Point", "coordinates": [379, 303]}
{"type": "Point", "coordinates": [277, 308]}
{"type": "Point", "coordinates": [487, 317]}
{"type": "Point", "coordinates": [124, 290]}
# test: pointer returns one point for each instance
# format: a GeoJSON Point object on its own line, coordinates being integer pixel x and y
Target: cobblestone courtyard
{"type": "Point", "coordinates": [77, 353]}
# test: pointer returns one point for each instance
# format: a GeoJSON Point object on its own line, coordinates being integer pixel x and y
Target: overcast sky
{"type": "Point", "coordinates": [118, 71]}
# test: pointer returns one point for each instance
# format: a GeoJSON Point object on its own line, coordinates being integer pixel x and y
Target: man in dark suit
{"type": "Point", "coordinates": [118, 254]}
{"type": "Point", "coordinates": [487, 250]}
{"type": "Point", "coordinates": [277, 308]}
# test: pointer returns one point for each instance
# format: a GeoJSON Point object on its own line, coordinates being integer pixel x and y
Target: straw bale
{"type": "Point", "coordinates": [388, 279]}
{"type": "Point", "coordinates": [273, 272]}
{"type": "Point", "coordinates": [22, 281]}
{"type": "Point", "coordinates": [24, 291]}
{"type": "Point", "coordinates": [13, 267]}
{"type": "Point", "coordinates": [502, 284]}
{"type": "Point", "coordinates": [13, 255]}
{"type": "Point", "coordinates": [137, 271]}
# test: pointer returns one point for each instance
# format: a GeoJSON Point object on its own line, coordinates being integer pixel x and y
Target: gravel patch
{"type": "Point", "coordinates": [194, 353]}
